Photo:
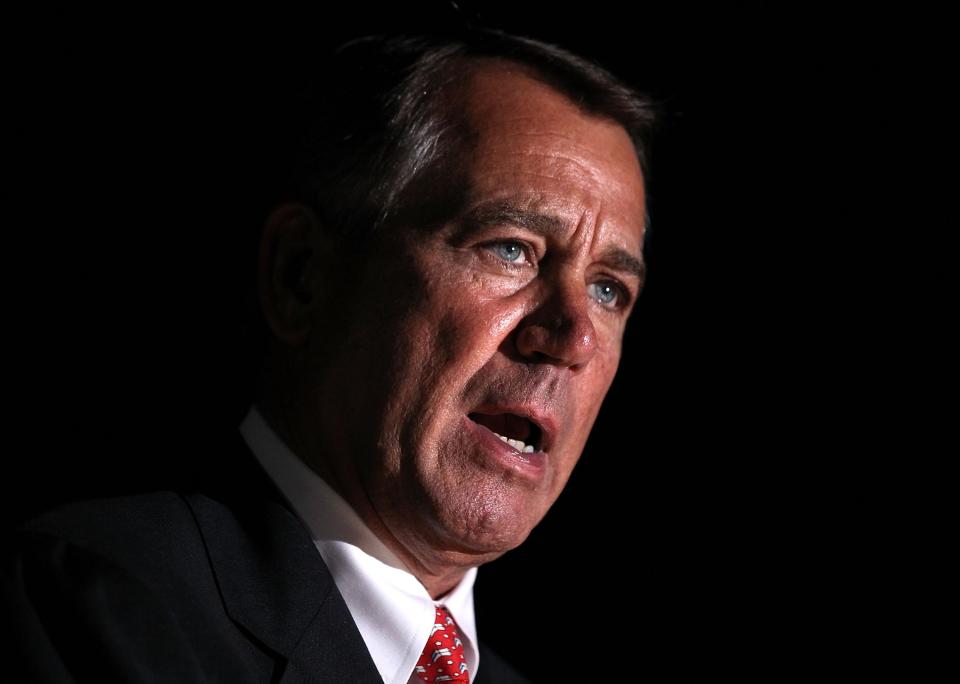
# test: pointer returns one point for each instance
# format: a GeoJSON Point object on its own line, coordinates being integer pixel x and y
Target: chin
{"type": "Point", "coordinates": [487, 525]}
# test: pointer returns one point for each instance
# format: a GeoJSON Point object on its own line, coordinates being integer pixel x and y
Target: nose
{"type": "Point", "coordinates": [559, 331]}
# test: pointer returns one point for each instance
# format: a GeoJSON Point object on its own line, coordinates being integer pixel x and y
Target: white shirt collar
{"type": "Point", "coordinates": [392, 609]}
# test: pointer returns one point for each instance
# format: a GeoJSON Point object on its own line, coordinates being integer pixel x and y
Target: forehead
{"type": "Point", "coordinates": [532, 146]}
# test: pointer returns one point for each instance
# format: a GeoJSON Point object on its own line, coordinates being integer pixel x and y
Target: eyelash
{"type": "Point", "coordinates": [622, 293]}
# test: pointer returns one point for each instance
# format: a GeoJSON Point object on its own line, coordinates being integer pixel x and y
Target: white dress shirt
{"type": "Point", "coordinates": [392, 609]}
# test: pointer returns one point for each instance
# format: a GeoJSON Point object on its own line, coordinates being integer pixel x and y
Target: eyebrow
{"type": "Point", "coordinates": [622, 260]}
{"type": "Point", "coordinates": [498, 213]}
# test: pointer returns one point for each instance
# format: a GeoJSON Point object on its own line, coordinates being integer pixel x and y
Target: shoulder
{"type": "Point", "coordinates": [91, 580]}
{"type": "Point", "coordinates": [142, 521]}
{"type": "Point", "coordinates": [147, 547]}
{"type": "Point", "coordinates": [113, 588]}
{"type": "Point", "coordinates": [150, 535]}
{"type": "Point", "coordinates": [169, 540]}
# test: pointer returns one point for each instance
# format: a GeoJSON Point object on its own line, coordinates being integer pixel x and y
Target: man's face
{"type": "Point", "coordinates": [505, 321]}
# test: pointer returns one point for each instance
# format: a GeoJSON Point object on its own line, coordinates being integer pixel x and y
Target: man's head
{"type": "Point", "coordinates": [467, 282]}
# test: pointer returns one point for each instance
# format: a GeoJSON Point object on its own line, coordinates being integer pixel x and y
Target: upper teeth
{"type": "Point", "coordinates": [515, 443]}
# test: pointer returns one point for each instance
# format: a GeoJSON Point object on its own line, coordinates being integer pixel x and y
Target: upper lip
{"type": "Point", "coordinates": [539, 417]}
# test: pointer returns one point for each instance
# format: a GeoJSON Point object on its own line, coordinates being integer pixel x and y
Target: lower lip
{"type": "Point", "coordinates": [531, 466]}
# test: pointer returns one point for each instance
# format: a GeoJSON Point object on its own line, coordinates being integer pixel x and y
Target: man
{"type": "Point", "coordinates": [446, 282]}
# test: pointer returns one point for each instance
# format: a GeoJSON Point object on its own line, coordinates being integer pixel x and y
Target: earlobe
{"type": "Point", "coordinates": [288, 282]}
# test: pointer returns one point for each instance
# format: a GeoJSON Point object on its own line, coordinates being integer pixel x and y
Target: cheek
{"type": "Point", "coordinates": [461, 341]}
{"type": "Point", "coordinates": [467, 315]}
{"type": "Point", "coordinates": [442, 342]}
{"type": "Point", "coordinates": [593, 389]}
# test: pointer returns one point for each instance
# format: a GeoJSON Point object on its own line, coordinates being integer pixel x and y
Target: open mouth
{"type": "Point", "coordinates": [521, 433]}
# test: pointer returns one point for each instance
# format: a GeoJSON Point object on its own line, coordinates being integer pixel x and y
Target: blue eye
{"type": "Point", "coordinates": [604, 293]}
{"type": "Point", "coordinates": [508, 251]}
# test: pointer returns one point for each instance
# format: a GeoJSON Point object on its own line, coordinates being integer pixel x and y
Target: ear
{"type": "Point", "coordinates": [292, 251]}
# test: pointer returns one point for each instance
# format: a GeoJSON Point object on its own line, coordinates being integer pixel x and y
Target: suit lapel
{"type": "Point", "coordinates": [273, 581]}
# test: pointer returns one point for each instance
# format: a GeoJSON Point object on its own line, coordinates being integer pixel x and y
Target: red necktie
{"type": "Point", "coordinates": [442, 657]}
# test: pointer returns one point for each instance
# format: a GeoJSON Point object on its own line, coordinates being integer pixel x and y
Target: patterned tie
{"type": "Point", "coordinates": [442, 657]}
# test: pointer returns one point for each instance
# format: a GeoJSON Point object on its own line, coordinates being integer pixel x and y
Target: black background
{"type": "Point", "coordinates": [716, 518]}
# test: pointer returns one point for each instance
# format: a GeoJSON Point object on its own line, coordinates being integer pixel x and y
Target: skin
{"type": "Point", "coordinates": [380, 359]}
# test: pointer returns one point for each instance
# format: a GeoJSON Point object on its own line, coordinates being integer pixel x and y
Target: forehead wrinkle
{"type": "Point", "coordinates": [576, 159]}
{"type": "Point", "coordinates": [582, 173]}
{"type": "Point", "coordinates": [614, 257]}
{"type": "Point", "coordinates": [557, 165]}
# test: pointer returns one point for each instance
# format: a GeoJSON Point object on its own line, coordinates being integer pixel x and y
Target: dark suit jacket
{"type": "Point", "coordinates": [220, 584]}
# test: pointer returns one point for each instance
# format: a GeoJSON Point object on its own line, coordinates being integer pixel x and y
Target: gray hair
{"type": "Point", "coordinates": [379, 117]}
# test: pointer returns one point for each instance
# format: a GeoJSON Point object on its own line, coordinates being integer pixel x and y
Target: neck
{"type": "Point", "coordinates": [438, 572]}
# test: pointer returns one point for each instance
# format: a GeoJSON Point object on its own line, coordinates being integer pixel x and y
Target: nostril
{"type": "Point", "coordinates": [552, 338]}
